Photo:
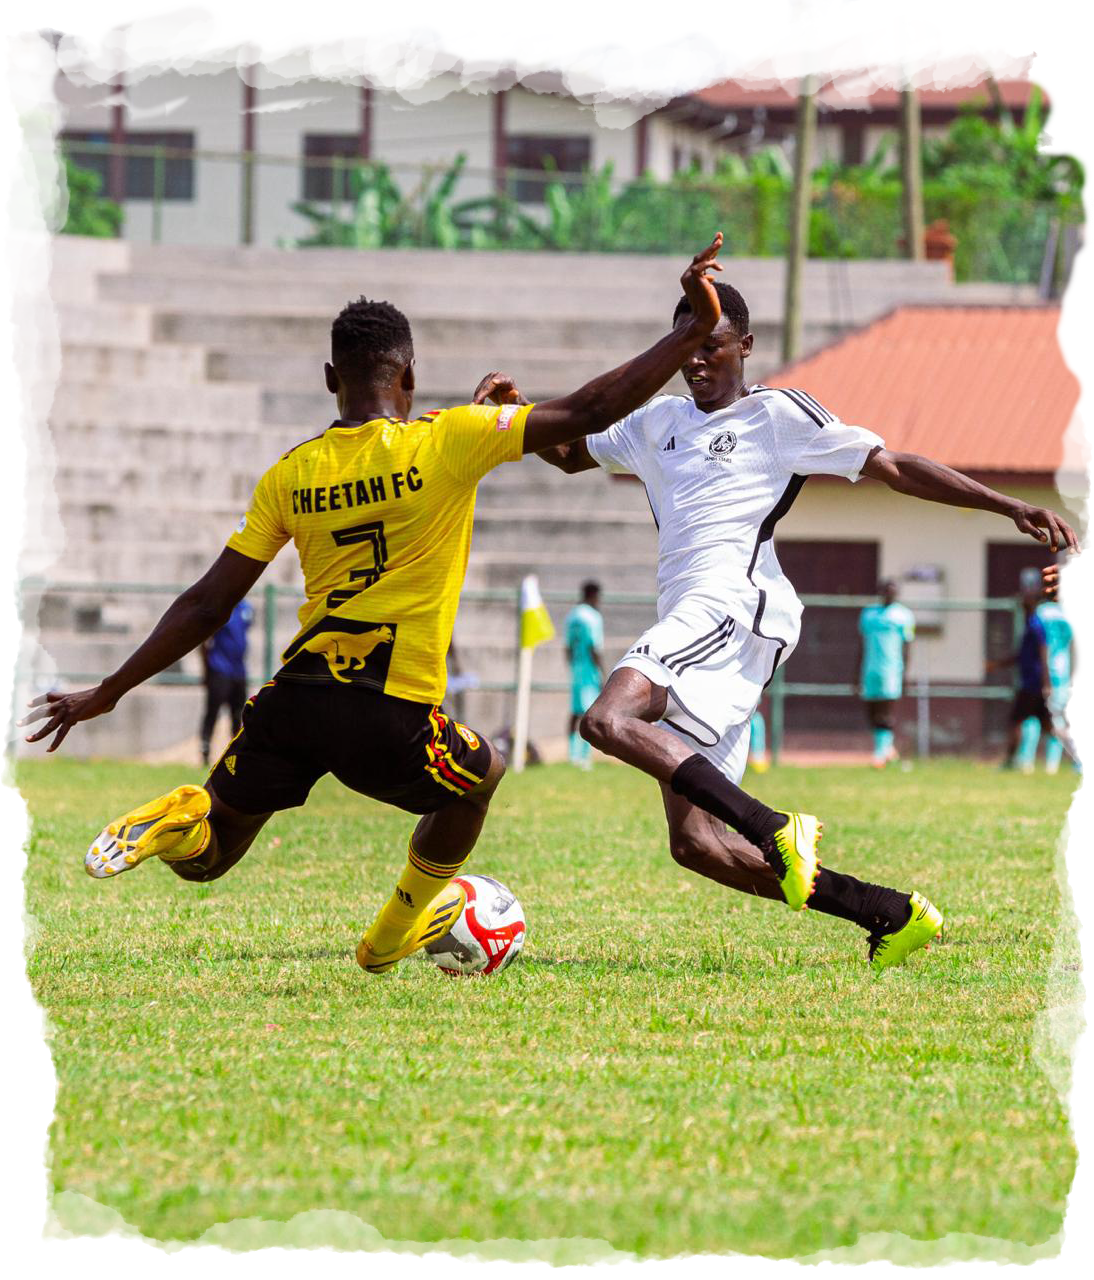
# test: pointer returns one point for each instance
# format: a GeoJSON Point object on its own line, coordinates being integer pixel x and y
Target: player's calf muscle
{"type": "Point", "coordinates": [727, 859]}
{"type": "Point", "coordinates": [231, 834]}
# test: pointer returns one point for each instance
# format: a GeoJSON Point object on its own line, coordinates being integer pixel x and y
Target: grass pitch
{"type": "Point", "coordinates": [670, 1067]}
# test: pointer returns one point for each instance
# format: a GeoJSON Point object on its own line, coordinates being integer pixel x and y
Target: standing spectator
{"type": "Point", "coordinates": [1058, 642]}
{"type": "Point", "coordinates": [1058, 655]}
{"type": "Point", "coordinates": [1031, 698]}
{"type": "Point", "coordinates": [224, 656]}
{"type": "Point", "coordinates": [584, 650]}
{"type": "Point", "coordinates": [886, 632]}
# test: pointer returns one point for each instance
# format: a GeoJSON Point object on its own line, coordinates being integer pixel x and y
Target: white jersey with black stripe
{"type": "Point", "coordinates": [718, 484]}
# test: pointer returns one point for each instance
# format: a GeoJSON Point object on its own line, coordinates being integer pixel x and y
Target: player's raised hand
{"type": "Point", "coordinates": [699, 287]}
{"type": "Point", "coordinates": [1046, 526]}
{"type": "Point", "coordinates": [63, 711]}
{"type": "Point", "coordinates": [499, 387]}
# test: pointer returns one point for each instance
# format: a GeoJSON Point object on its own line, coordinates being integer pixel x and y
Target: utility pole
{"type": "Point", "coordinates": [247, 158]}
{"type": "Point", "coordinates": [911, 175]}
{"type": "Point", "coordinates": [799, 218]}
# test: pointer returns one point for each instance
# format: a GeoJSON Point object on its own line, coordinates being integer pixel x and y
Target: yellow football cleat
{"type": "Point", "coordinates": [434, 922]}
{"type": "Point", "coordinates": [172, 827]}
{"type": "Point", "coordinates": [792, 852]}
{"type": "Point", "coordinates": [922, 926]}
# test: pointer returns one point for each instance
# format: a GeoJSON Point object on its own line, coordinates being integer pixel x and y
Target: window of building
{"type": "Point", "coordinates": [85, 147]}
{"type": "Point", "coordinates": [852, 144]}
{"type": "Point", "coordinates": [541, 153]}
{"type": "Point", "coordinates": [322, 181]}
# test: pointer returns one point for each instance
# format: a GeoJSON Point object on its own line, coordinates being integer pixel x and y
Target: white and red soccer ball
{"type": "Point", "coordinates": [488, 934]}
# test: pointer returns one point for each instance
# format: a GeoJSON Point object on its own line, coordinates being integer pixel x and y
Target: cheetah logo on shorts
{"type": "Point", "coordinates": [722, 446]}
{"type": "Point", "coordinates": [468, 737]}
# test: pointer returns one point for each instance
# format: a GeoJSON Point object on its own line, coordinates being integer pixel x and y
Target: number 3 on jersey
{"type": "Point", "coordinates": [371, 535]}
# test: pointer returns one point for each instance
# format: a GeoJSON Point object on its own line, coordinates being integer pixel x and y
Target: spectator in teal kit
{"type": "Point", "coordinates": [584, 650]}
{"type": "Point", "coordinates": [886, 631]}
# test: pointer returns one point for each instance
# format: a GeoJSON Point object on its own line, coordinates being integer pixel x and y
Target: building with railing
{"type": "Point", "coordinates": [223, 156]}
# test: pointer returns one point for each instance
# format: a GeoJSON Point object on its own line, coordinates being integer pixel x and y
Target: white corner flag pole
{"type": "Point", "coordinates": [524, 708]}
{"type": "Point", "coordinates": [535, 627]}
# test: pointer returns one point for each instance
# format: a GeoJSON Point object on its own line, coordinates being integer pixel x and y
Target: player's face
{"type": "Point", "coordinates": [714, 373]}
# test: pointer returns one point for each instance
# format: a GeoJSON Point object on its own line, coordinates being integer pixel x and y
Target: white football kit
{"type": "Point", "coordinates": [718, 483]}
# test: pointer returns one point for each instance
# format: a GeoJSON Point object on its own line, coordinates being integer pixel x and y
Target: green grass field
{"type": "Point", "coordinates": [670, 1067]}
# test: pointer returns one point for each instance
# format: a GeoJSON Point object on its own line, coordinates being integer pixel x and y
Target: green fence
{"type": "Point", "coordinates": [273, 633]}
{"type": "Point", "coordinates": [177, 195]}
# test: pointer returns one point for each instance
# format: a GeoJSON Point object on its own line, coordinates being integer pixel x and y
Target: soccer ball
{"type": "Point", "coordinates": [487, 936]}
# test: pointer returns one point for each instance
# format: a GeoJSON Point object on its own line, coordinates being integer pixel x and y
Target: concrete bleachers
{"type": "Point", "coordinates": [186, 371]}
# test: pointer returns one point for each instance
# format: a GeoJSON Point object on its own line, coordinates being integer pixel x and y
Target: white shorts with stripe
{"type": "Point", "coordinates": [715, 670]}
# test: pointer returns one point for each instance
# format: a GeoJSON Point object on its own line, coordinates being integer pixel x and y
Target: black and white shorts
{"type": "Point", "coordinates": [715, 670]}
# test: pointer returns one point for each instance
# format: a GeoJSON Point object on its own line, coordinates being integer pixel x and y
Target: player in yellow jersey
{"type": "Point", "coordinates": [380, 508]}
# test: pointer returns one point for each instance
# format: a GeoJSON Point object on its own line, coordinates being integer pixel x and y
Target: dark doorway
{"type": "Point", "coordinates": [828, 650]}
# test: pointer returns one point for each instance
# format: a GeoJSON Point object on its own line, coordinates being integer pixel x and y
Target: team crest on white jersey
{"type": "Point", "coordinates": [722, 446]}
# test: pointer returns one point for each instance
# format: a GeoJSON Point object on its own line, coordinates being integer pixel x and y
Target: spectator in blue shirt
{"type": "Point", "coordinates": [224, 656]}
{"type": "Point", "coordinates": [1034, 686]}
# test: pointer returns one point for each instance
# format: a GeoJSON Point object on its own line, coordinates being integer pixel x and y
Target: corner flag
{"type": "Point", "coordinates": [535, 627]}
{"type": "Point", "coordinates": [535, 621]}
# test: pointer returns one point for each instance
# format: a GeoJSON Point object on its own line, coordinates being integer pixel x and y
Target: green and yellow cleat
{"type": "Point", "coordinates": [792, 851]}
{"type": "Point", "coordinates": [921, 928]}
{"type": "Point", "coordinates": [172, 827]}
{"type": "Point", "coordinates": [434, 922]}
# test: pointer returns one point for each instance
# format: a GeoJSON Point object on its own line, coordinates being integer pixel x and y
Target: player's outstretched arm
{"type": "Point", "coordinates": [502, 389]}
{"type": "Point", "coordinates": [921, 478]}
{"type": "Point", "coordinates": [189, 621]}
{"type": "Point", "coordinates": [611, 396]}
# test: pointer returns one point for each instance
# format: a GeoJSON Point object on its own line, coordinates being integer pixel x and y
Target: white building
{"type": "Point", "coordinates": [297, 132]}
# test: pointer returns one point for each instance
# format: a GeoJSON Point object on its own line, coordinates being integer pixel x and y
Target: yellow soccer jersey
{"type": "Point", "coordinates": [381, 516]}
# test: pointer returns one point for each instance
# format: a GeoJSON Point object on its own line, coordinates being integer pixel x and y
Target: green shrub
{"type": "Point", "coordinates": [89, 213]}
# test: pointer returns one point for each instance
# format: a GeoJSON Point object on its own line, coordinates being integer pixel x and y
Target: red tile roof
{"type": "Point", "coordinates": [855, 92]}
{"type": "Point", "coordinates": [979, 388]}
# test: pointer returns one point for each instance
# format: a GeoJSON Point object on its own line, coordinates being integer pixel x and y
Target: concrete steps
{"type": "Point", "coordinates": [164, 365]}
{"type": "Point", "coordinates": [175, 450]}
{"type": "Point", "coordinates": [564, 571]}
{"type": "Point", "coordinates": [824, 300]}
{"type": "Point", "coordinates": [141, 405]}
{"type": "Point", "coordinates": [116, 325]}
{"type": "Point", "coordinates": [132, 483]}
{"type": "Point", "coordinates": [187, 372]}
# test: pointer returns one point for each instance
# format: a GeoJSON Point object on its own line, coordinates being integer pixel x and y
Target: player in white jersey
{"type": "Point", "coordinates": [721, 469]}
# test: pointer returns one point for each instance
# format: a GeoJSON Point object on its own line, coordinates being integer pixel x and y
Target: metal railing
{"type": "Point", "coordinates": [270, 597]}
{"type": "Point", "coordinates": [374, 204]}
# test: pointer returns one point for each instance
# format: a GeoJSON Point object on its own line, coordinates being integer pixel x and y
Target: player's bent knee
{"type": "Point", "coordinates": [600, 726]}
{"type": "Point", "coordinates": [483, 793]}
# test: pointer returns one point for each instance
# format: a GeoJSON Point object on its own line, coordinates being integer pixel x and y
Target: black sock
{"type": "Point", "coordinates": [700, 782]}
{"type": "Point", "coordinates": [873, 907]}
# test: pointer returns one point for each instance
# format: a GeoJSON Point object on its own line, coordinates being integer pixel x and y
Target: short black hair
{"type": "Point", "coordinates": [370, 339]}
{"type": "Point", "coordinates": [590, 588]}
{"type": "Point", "coordinates": [734, 307]}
